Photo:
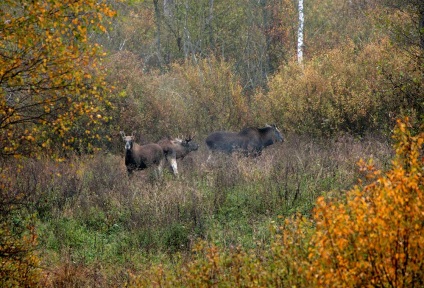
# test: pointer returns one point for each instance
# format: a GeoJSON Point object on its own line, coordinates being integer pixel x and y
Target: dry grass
{"type": "Point", "coordinates": [96, 223]}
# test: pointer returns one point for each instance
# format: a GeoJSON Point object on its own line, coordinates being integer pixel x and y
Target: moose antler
{"type": "Point", "coordinates": [190, 137]}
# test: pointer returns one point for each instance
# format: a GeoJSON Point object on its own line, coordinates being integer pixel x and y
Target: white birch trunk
{"type": "Point", "coordinates": [300, 33]}
{"type": "Point", "coordinates": [168, 8]}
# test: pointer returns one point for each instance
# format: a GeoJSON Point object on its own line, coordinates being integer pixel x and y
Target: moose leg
{"type": "Point", "coordinates": [160, 166]}
{"type": "Point", "coordinates": [173, 162]}
{"type": "Point", "coordinates": [212, 154]}
{"type": "Point", "coordinates": [216, 153]}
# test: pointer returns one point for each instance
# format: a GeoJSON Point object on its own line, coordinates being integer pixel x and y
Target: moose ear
{"type": "Point", "coordinates": [122, 134]}
{"type": "Point", "coordinates": [133, 134]}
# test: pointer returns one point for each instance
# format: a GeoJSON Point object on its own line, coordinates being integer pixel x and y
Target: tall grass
{"type": "Point", "coordinates": [96, 224]}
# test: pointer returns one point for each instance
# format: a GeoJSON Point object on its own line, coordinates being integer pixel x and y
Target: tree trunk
{"type": "Point", "coordinates": [209, 25]}
{"type": "Point", "coordinates": [266, 14]}
{"type": "Point", "coordinates": [421, 25]}
{"type": "Point", "coordinates": [158, 33]}
{"type": "Point", "coordinates": [300, 33]}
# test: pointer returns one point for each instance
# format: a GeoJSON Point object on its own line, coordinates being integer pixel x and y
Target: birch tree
{"type": "Point", "coordinates": [300, 33]}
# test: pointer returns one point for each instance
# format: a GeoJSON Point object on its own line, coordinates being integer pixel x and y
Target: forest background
{"type": "Point", "coordinates": [75, 73]}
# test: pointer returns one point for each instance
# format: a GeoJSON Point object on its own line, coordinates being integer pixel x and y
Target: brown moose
{"type": "Point", "coordinates": [176, 148]}
{"type": "Point", "coordinates": [140, 157]}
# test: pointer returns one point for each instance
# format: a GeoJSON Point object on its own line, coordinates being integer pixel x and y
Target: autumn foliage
{"type": "Point", "coordinates": [376, 237]}
{"type": "Point", "coordinates": [51, 100]}
{"type": "Point", "coordinates": [49, 73]}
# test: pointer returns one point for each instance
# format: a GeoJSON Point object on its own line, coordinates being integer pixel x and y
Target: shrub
{"type": "Point", "coordinates": [18, 238]}
{"type": "Point", "coordinates": [376, 236]}
{"type": "Point", "coordinates": [191, 98]}
{"type": "Point", "coordinates": [19, 261]}
{"type": "Point", "coordinates": [342, 90]}
{"type": "Point", "coordinates": [213, 95]}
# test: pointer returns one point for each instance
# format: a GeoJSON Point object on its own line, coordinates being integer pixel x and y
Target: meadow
{"type": "Point", "coordinates": [95, 224]}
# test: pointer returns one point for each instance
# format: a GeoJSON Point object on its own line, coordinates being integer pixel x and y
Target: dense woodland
{"type": "Point", "coordinates": [338, 204]}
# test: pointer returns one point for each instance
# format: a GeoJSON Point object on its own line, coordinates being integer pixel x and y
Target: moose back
{"type": "Point", "coordinates": [249, 141]}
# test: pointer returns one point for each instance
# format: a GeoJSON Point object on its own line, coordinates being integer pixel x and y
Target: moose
{"type": "Point", "coordinates": [140, 157]}
{"type": "Point", "coordinates": [249, 141]}
{"type": "Point", "coordinates": [176, 148]}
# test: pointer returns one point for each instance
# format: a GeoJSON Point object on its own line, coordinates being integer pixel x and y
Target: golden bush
{"type": "Point", "coordinates": [375, 238]}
